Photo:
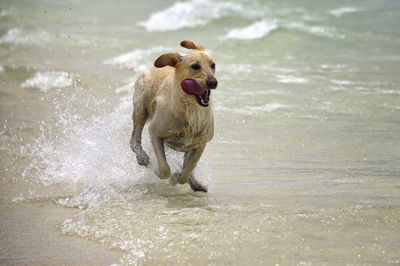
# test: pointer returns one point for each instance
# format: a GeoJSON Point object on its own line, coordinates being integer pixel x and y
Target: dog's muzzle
{"type": "Point", "coordinates": [191, 87]}
{"type": "Point", "coordinates": [212, 83]}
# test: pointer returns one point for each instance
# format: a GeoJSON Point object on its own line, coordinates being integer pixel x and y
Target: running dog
{"type": "Point", "coordinates": [175, 95]}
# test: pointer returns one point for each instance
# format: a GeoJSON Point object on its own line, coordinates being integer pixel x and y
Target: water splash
{"type": "Point", "coordinates": [48, 80]}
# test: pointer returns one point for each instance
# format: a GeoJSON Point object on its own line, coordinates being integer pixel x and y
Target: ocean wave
{"type": "Point", "coordinates": [188, 15]}
{"type": "Point", "coordinates": [19, 36]}
{"type": "Point", "coordinates": [256, 30]}
{"type": "Point", "coordinates": [138, 60]}
{"type": "Point", "coordinates": [338, 12]}
{"type": "Point", "coordinates": [48, 80]}
{"type": "Point", "coordinates": [315, 30]}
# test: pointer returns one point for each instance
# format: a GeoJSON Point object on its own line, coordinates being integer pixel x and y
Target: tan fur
{"type": "Point", "coordinates": [191, 45]}
{"type": "Point", "coordinates": [177, 119]}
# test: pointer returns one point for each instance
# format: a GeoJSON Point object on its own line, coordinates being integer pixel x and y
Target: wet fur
{"type": "Point", "coordinates": [176, 118]}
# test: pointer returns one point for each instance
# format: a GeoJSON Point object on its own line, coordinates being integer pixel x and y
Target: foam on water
{"type": "Point", "coordinates": [338, 12]}
{"type": "Point", "coordinates": [188, 14]}
{"type": "Point", "coordinates": [269, 107]}
{"type": "Point", "coordinates": [7, 13]}
{"type": "Point", "coordinates": [342, 82]}
{"type": "Point", "coordinates": [256, 30]}
{"type": "Point", "coordinates": [138, 59]}
{"type": "Point", "coordinates": [290, 79]}
{"type": "Point", "coordinates": [315, 30]}
{"type": "Point", "coordinates": [252, 110]}
{"type": "Point", "coordinates": [20, 36]}
{"type": "Point", "coordinates": [48, 80]}
{"type": "Point", "coordinates": [171, 226]}
{"type": "Point", "coordinates": [4, 13]}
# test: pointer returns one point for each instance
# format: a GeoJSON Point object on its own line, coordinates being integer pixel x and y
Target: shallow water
{"type": "Point", "coordinates": [304, 165]}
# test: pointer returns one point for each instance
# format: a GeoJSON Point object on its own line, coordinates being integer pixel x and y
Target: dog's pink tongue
{"type": "Point", "coordinates": [191, 87]}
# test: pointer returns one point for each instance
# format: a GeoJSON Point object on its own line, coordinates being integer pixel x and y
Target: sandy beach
{"type": "Point", "coordinates": [30, 234]}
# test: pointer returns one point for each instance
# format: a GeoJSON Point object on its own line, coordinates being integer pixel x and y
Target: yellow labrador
{"type": "Point", "coordinates": [175, 95]}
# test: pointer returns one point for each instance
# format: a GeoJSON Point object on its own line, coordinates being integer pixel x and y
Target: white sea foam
{"type": "Point", "coordinates": [315, 30]}
{"type": "Point", "coordinates": [3, 13]}
{"type": "Point", "coordinates": [338, 12]}
{"type": "Point", "coordinates": [259, 110]}
{"type": "Point", "coordinates": [342, 82]}
{"type": "Point", "coordinates": [48, 80]}
{"type": "Point", "coordinates": [137, 60]}
{"type": "Point", "coordinates": [256, 30]}
{"type": "Point", "coordinates": [19, 36]}
{"type": "Point", "coordinates": [7, 12]}
{"type": "Point", "coordinates": [291, 79]}
{"type": "Point", "coordinates": [270, 107]}
{"type": "Point", "coordinates": [332, 67]}
{"type": "Point", "coordinates": [389, 91]}
{"type": "Point", "coordinates": [188, 14]}
{"type": "Point", "coordinates": [256, 110]}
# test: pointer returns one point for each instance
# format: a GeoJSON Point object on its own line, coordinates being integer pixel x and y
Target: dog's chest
{"type": "Point", "coordinates": [188, 137]}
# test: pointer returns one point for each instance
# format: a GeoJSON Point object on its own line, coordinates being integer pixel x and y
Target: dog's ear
{"type": "Point", "coordinates": [170, 59]}
{"type": "Point", "coordinates": [191, 45]}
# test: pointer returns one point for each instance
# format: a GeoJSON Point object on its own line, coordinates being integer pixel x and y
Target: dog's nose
{"type": "Point", "coordinates": [212, 83]}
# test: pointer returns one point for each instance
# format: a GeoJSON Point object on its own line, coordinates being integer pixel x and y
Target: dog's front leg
{"type": "Point", "coordinates": [163, 170]}
{"type": "Point", "coordinates": [191, 160]}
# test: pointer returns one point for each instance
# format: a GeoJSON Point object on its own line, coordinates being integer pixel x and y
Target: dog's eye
{"type": "Point", "coordinates": [213, 65]}
{"type": "Point", "coordinates": [195, 67]}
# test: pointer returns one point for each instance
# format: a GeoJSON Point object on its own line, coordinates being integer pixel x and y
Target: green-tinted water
{"type": "Point", "coordinates": [304, 166]}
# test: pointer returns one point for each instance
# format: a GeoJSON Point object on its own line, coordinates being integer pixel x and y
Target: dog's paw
{"type": "Point", "coordinates": [196, 186]}
{"type": "Point", "coordinates": [143, 159]}
{"type": "Point", "coordinates": [163, 173]}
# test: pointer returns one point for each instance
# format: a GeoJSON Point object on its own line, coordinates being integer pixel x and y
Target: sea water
{"type": "Point", "coordinates": [304, 167]}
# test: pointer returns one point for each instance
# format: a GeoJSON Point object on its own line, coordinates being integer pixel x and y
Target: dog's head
{"type": "Point", "coordinates": [195, 71]}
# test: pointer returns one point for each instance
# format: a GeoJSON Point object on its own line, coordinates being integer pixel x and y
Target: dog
{"type": "Point", "coordinates": [174, 95]}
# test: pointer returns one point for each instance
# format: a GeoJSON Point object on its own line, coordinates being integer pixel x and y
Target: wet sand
{"type": "Point", "coordinates": [29, 234]}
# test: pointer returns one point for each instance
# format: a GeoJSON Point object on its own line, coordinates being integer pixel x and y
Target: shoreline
{"type": "Point", "coordinates": [29, 235]}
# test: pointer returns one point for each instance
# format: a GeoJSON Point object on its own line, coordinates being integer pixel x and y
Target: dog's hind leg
{"type": "Point", "coordinates": [139, 118]}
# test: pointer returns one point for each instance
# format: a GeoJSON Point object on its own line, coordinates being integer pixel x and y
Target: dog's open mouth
{"type": "Point", "coordinates": [204, 99]}
{"type": "Point", "coordinates": [191, 87]}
